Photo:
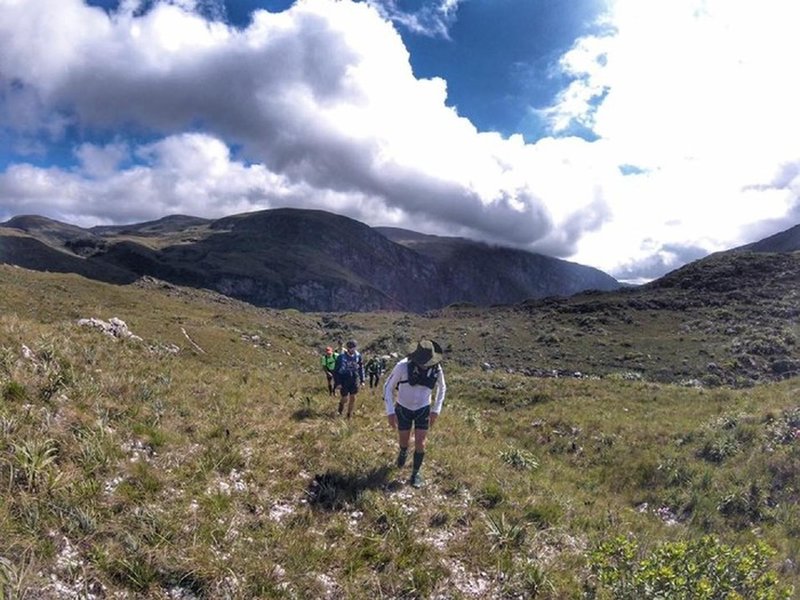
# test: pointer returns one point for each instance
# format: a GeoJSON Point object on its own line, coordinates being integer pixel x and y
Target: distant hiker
{"type": "Point", "coordinates": [414, 379]}
{"type": "Point", "coordinates": [328, 365]}
{"type": "Point", "coordinates": [349, 376]}
{"type": "Point", "coordinates": [374, 371]}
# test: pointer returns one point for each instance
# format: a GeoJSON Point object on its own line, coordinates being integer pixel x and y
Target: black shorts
{"type": "Point", "coordinates": [349, 386]}
{"type": "Point", "coordinates": [405, 417]}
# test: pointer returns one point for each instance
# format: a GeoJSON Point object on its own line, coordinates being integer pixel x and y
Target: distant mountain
{"type": "Point", "coordinates": [513, 274]}
{"type": "Point", "coordinates": [34, 254]}
{"type": "Point", "coordinates": [305, 259]}
{"type": "Point", "coordinates": [785, 241]}
{"type": "Point", "coordinates": [169, 224]}
{"type": "Point", "coordinates": [49, 231]}
{"type": "Point", "coordinates": [741, 267]}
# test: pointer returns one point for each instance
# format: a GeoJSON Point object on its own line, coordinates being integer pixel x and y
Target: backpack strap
{"type": "Point", "coordinates": [428, 379]}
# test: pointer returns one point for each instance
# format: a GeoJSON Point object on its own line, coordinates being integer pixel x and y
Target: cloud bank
{"type": "Point", "coordinates": [318, 107]}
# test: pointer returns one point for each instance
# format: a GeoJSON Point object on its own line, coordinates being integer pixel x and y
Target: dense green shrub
{"type": "Point", "coordinates": [698, 570]}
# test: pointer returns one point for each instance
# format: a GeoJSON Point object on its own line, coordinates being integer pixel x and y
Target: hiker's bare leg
{"type": "Point", "coordinates": [403, 438]}
{"type": "Point", "coordinates": [350, 403]}
{"type": "Point", "coordinates": [419, 439]}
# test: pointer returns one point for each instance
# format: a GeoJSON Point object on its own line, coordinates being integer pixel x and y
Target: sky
{"type": "Point", "coordinates": [630, 135]}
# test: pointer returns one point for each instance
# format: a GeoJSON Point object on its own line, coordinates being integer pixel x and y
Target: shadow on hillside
{"type": "Point", "coordinates": [306, 413]}
{"type": "Point", "coordinates": [335, 491]}
{"type": "Point", "coordinates": [308, 410]}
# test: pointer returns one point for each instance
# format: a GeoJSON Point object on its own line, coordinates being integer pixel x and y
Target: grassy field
{"type": "Point", "coordinates": [206, 459]}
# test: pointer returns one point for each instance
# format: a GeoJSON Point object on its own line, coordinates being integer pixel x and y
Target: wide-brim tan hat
{"type": "Point", "coordinates": [426, 353]}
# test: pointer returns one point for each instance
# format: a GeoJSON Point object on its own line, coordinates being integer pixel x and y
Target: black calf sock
{"type": "Point", "coordinates": [418, 458]}
{"type": "Point", "coordinates": [401, 456]}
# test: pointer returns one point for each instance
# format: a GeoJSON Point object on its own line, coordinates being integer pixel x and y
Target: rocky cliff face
{"type": "Point", "coordinates": [483, 274]}
{"type": "Point", "coordinates": [315, 261]}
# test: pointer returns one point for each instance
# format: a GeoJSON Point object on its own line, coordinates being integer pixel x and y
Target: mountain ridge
{"type": "Point", "coordinates": [783, 241]}
{"type": "Point", "coordinates": [311, 260]}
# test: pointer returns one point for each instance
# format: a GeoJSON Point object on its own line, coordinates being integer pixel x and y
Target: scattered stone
{"type": "Point", "coordinates": [162, 349]}
{"type": "Point", "coordinates": [279, 511]}
{"type": "Point", "coordinates": [328, 585]}
{"type": "Point", "coordinates": [114, 327]}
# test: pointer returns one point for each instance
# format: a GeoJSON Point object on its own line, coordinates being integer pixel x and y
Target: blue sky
{"type": "Point", "coordinates": [497, 56]}
{"type": "Point", "coordinates": [632, 136]}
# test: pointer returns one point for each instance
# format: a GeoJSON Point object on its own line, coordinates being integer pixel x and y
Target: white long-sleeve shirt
{"type": "Point", "coordinates": [412, 397]}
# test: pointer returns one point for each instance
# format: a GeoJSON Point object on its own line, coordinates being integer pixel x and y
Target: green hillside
{"type": "Point", "coordinates": [203, 458]}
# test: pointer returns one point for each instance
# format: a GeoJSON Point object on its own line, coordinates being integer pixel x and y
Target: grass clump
{"type": "Point", "coordinates": [13, 391]}
{"type": "Point", "coordinates": [519, 459]}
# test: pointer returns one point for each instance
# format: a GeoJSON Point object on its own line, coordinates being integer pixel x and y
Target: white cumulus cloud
{"type": "Point", "coordinates": [691, 103]}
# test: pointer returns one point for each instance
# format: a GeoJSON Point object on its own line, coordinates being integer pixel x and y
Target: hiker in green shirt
{"type": "Point", "coordinates": [328, 365]}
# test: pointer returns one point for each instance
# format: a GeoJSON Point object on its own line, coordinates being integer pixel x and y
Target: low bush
{"type": "Point", "coordinates": [701, 569]}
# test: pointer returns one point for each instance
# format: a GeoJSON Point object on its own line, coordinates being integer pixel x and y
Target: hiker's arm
{"type": "Point", "coordinates": [335, 372]}
{"type": "Point", "coordinates": [441, 388]}
{"type": "Point", "coordinates": [388, 395]}
{"type": "Point", "coordinates": [392, 421]}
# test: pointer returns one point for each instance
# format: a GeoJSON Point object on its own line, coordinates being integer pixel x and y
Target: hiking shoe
{"type": "Point", "coordinates": [401, 458]}
{"type": "Point", "coordinates": [417, 480]}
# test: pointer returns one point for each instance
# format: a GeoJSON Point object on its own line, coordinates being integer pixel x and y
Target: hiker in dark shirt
{"type": "Point", "coordinates": [374, 371]}
{"type": "Point", "coordinates": [349, 376]}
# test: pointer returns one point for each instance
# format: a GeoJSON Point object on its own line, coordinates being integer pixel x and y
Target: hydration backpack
{"type": "Point", "coordinates": [348, 366]}
{"type": "Point", "coordinates": [421, 376]}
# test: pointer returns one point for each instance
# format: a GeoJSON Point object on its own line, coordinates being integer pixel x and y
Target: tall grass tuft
{"type": "Point", "coordinates": [33, 460]}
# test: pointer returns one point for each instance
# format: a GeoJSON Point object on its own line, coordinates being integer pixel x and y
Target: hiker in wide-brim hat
{"type": "Point", "coordinates": [412, 381]}
{"type": "Point", "coordinates": [426, 353]}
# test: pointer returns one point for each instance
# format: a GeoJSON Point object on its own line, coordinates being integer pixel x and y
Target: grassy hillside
{"type": "Point", "coordinates": [205, 460]}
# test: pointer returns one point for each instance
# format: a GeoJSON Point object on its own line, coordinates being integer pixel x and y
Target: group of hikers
{"type": "Point", "coordinates": [407, 392]}
{"type": "Point", "coordinates": [374, 367]}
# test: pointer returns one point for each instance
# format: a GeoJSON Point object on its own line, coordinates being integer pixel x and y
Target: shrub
{"type": "Point", "coordinates": [699, 569]}
{"type": "Point", "coordinates": [786, 428]}
{"type": "Point", "coordinates": [719, 448]}
{"type": "Point", "coordinates": [745, 507]}
{"type": "Point", "coordinates": [14, 579]}
{"type": "Point", "coordinates": [13, 391]}
{"type": "Point", "coordinates": [544, 514]}
{"type": "Point", "coordinates": [504, 533]}
{"type": "Point", "coordinates": [519, 459]}
{"type": "Point", "coordinates": [490, 495]}
{"type": "Point", "coordinates": [33, 460]}
{"type": "Point", "coordinates": [528, 581]}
